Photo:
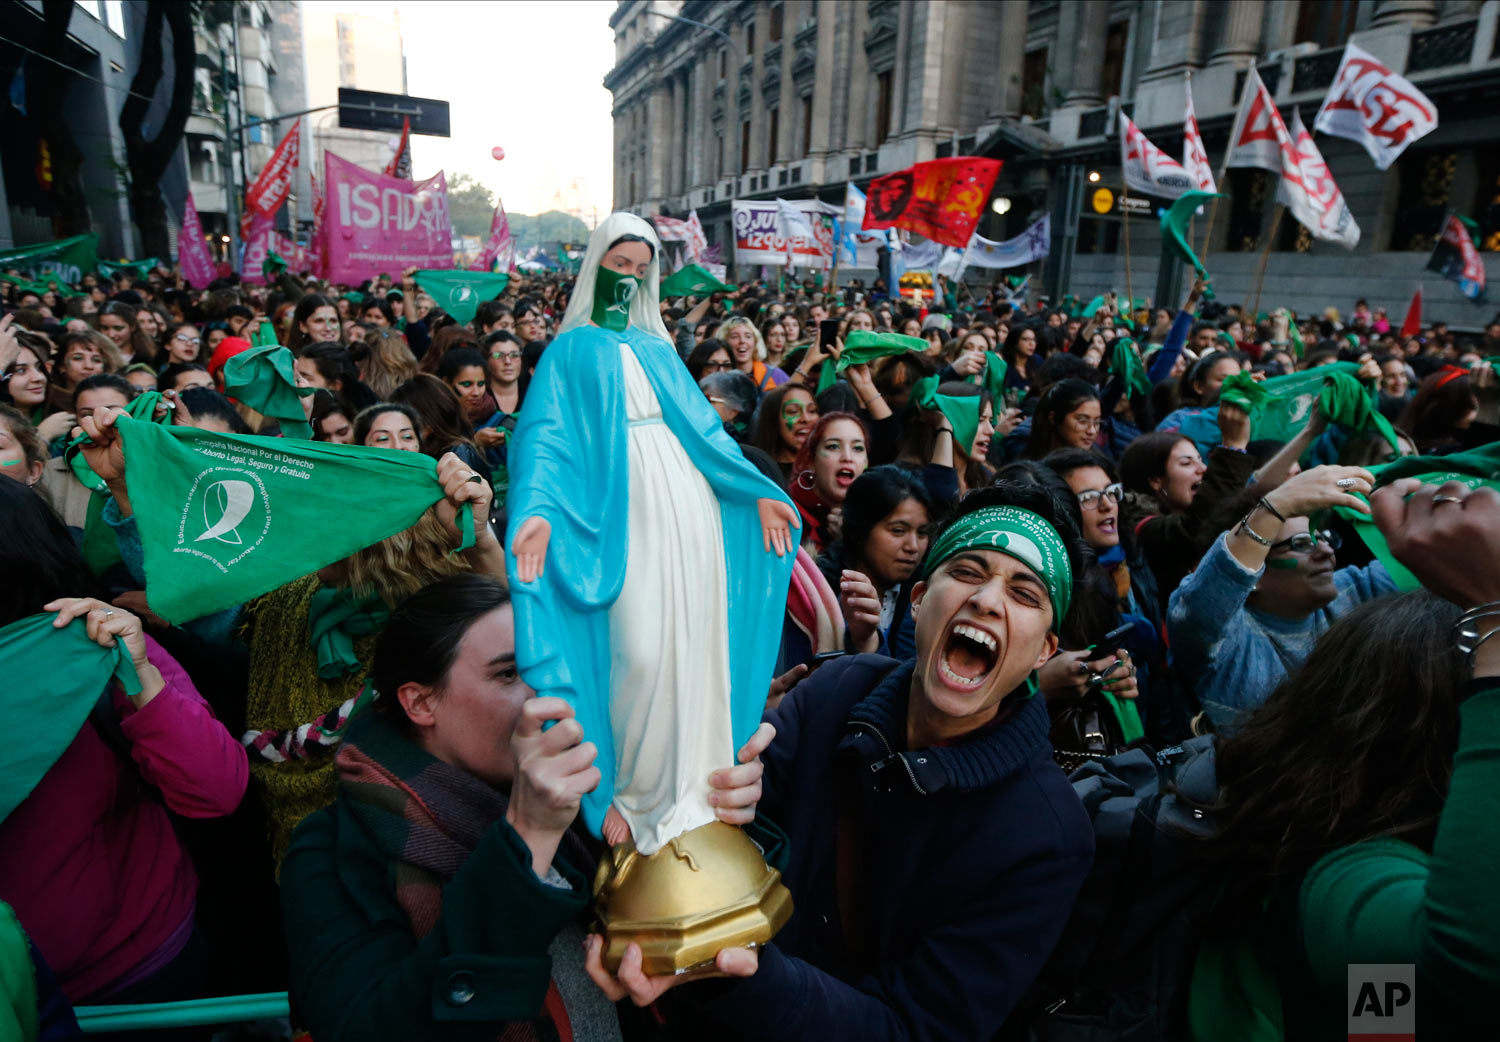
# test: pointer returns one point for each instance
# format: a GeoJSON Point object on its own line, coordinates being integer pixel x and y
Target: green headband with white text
{"type": "Point", "coordinates": [1018, 533]}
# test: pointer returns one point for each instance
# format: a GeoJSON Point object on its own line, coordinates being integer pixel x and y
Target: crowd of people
{"type": "Point", "coordinates": [1030, 536]}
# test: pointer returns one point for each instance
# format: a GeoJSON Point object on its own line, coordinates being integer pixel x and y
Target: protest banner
{"type": "Point", "coordinates": [67, 260]}
{"type": "Point", "coordinates": [374, 224]}
{"type": "Point", "coordinates": [941, 199]}
{"type": "Point", "coordinates": [758, 238]}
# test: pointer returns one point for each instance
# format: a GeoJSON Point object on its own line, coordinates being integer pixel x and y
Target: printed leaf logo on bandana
{"type": "Point", "coordinates": [226, 516]}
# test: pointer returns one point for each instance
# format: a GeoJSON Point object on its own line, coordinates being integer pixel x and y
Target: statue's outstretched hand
{"type": "Point", "coordinates": [777, 519]}
{"type": "Point", "coordinates": [530, 547]}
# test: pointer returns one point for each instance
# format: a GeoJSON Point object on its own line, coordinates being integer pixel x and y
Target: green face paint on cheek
{"type": "Point", "coordinates": [1288, 564]}
{"type": "Point", "coordinates": [790, 421]}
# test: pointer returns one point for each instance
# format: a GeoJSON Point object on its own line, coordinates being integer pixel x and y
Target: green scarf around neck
{"type": "Point", "coordinates": [336, 618]}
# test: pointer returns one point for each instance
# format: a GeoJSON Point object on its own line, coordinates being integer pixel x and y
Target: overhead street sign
{"type": "Point", "coordinates": [372, 110]}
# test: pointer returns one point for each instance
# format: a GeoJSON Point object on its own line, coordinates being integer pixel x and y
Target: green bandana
{"type": "Point", "coordinates": [613, 292]}
{"type": "Point", "coordinates": [1128, 368]}
{"type": "Point", "coordinates": [1477, 469]}
{"type": "Point", "coordinates": [694, 280]}
{"type": "Point", "coordinates": [461, 292]}
{"type": "Point", "coordinates": [141, 407]}
{"type": "Point", "coordinates": [961, 412]}
{"type": "Point", "coordinates": [335, 618]}
{"type": "Point", "coordinates": [1018, 533]}
{"type": "Point", "coordinates": [1280, 407]}
{"type": "Point", "coordinates": [227, 517]}
{"type": "Point", "coordinates": [265, 334]}
{"type": "Point", "coordinates": [993, 377]}
{"type": "Point", "coordinates": [265, 379]}
{"type": "Point", "coordinates": [56, 676]}
{"type": "Point", "coordinates": [273, 265]}
{"type": "Point", "coordinates": [1174, 226]}
{"type": "Point", "coordinates": [863, 347]}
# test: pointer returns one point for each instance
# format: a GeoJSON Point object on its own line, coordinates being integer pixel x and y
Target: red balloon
{"type": "Point", "coordinates": [498, 152]}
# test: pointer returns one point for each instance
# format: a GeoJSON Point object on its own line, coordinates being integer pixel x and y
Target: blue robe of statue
{"type": "Point", "coordinates": [568, 465]}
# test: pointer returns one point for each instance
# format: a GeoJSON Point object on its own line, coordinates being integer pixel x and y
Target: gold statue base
{"type": "Point", "coordinates": [707, 890]}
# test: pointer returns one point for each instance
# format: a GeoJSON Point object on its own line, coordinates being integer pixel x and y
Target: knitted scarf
{"type": "Point", "coordinates": [426, 817]}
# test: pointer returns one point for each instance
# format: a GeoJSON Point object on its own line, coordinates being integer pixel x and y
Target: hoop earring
{"type": "Point", "coordinates": [808, 487]}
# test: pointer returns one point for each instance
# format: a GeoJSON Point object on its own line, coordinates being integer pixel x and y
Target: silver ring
{"type": "Point", "coordinates": [1446, 499]}
{"type": "Point", "coordinates": [474, 479]}
{"type": "Point", "coordinates": [108, 612]}
{"type": "Point", "coordinates": [1345, 482]}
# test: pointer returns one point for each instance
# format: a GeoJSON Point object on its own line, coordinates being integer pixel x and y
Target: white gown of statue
{"type": "Point", "coordinates": [669, 676]}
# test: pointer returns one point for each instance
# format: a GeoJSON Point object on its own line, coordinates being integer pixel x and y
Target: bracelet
{"type": "Point", "coordinates": [1466, 635]}
{"type": "Point", "coordinates": [1244, 526]}
{"type": "Point", "coordinates": [1265, 505]}
{"type": "Point", "coordinates": [872, 401]}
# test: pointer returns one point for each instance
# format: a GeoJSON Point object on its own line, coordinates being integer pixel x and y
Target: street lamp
{"type": "Point", "coordinates": [1093, 177]}
{"type": "Point", "coordinates": [1001, 205]}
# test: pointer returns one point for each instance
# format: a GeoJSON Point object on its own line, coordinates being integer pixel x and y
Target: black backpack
{"type": "Point", "coordinates": [1122, 968]}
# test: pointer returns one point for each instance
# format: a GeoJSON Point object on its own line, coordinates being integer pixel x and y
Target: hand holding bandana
{"type": "Point", "coordinates": [265, 379]}
{"type": "Point", "coordinates": [863, 347]}
{"type": "Point", "coordinates": [1018, 533]}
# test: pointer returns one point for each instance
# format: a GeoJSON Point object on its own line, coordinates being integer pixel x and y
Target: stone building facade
{"type": "Point", "coordinates": [716, 100]}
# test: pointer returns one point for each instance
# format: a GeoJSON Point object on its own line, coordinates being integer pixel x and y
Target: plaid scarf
{"type": "Point", "coordinates": [426, 817]}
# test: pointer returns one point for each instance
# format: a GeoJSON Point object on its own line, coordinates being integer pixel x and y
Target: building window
{"type": "Point", "coordinates": [744, 146]}
{"type": "Point", "coordinates": [806, 125]}
{"type": "Point", "coordinates": [749, 39]}
{"type": "Point", "coordinates": [1114, 59]}
{"type": "Point", "coordinates": [774, 35]}
{"type": "Point", "coordinates": [723, 62]}
{"type": "Point", "coordinates": [773, 145]}
{"type": "Point", "coordinates": [719, 155]}
{"type": "Point", "coordinates": [1034, 84]}
{"type": "Point", "coordinates": [884, 97]}
{"type": "Point", "coordinates": [1422, 202]}
{"type": "Point", "coordinates": [1326, 23]}
{"type": "Point", "coordinates": [1249, 190]}
{"type": "Point", "coordinates": [1487, 206]}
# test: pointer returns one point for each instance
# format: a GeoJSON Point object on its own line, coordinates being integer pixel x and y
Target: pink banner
{"type": "Point", "coordinates": [192, 252]}
{"type": "Point", "coordinates": [258, 243]}
{"type": "Point", "coordinates": [374, 224]}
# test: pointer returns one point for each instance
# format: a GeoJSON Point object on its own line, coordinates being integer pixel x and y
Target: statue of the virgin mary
{"type": "Point", "coordinates": [649, 561]}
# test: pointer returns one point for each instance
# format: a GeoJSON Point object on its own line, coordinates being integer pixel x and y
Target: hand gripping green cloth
{"type": "Point", "coordinates": [461, 292]}
{"type": "Point", "coordinates": [227, 517]}
{"type": "Point", "coordinates": [993, 378]}
{"type": "Point", "coordinates": [1127, 367]}
{"type": "Point", "coordinates": [265, 379]}
{"type": "Point", "coordinates": [1280, 407]}
{"type": "Point", "coordinates": [961, 412]}
{"type": "Point", "coordinates": [101, 551]}
{"type": "Point", "coordinates": [56, 676]}
{"type": "Point", "coordinates": [694, 280]}
{"type": "Point", "coordinates": [1479, 468]}
{"type": "Point", "coordinates": [863, 347]}
{"type": "Point", "coordinates": [336, 617]}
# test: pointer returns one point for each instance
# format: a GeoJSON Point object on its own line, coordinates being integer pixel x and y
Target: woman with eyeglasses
{"type": "Point", "coordinates": [1125, 583]}
{"type": "Point", "coordinates": [184, 344]}
{"type": "Point", "coordinates": [1266, 591]}
{"type": "Point", "coordinates": [709, 356]}
{"type": "Point", "coordinates": [1068, 416]}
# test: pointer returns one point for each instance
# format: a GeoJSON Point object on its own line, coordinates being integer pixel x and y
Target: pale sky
{"type": "Point", "coordinates": [526, 75]}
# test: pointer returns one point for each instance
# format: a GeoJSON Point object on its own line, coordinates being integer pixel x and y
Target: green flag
{"type": "Point", "coordinates": [273, 265]}
{"type": "Point", "coordinates": [1126, 365]}
{"type": "Point", "coordinates": [40, 286]}
{"type": "Point", "coordinates": [992, 379]}
{"type": "Point", "coordinates": [265, 334]}
{"type": "Point", "coordinates": [265, 379]}
{"type": "Point", "coordinates": [140, 267]}
{"type": "Point", "coordinates": [68, 260]}
{"type": "Point", "coordinates": [863, 347]}
{"type": "Point", "coordinates": [1174, 224]}
{"type": "Point", "coordinates": [56, 676]}
{"type": "Point", "coordinates": [692, 280]}
{"type": "Point", "coordinates": [1280, 407]}
{"type": "Point", "coordinates": [1477, 468]}
{"type": "Point", "coordinates": [461, 292]}
{"type": "Point", "coordinates": [962, 412]}
{"type": "Point", "coordinates": [227, 517]}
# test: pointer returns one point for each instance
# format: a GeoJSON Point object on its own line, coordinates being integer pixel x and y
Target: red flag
{"type": "Point", "coordinates": [941, 199]}
{"type": "Point", "coordinates": [499, 249]}
{"type": "Point", "coordinates": [400, 164]}
{"type": "Point", "coordinates": [315, 246]}
{"type": "Point", "coordinates": [274, 184]}
{"type": "Point", "coordinates": [1412, 325]}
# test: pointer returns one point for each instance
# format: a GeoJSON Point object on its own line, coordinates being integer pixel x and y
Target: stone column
{"type": "Point", "coordinates": [1239, 38]}
{"type": "Point", "coordinates": [1419, 14]}
{"type": "Point", "coordinates": [1006, 100]}
{"type": "Point", "coordinates": [675, 135]}
{"type": "Point", "coordinates": [1089, 21]}
{"type": "Point", "coordinates": [657, 149]}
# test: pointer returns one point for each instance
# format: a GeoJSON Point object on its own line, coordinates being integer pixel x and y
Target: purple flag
{"type": "Point", "coordinates": [192, 252]}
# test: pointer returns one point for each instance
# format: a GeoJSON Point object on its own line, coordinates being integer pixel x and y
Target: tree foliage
{"type": "Point", "coordinates": [472, 206]}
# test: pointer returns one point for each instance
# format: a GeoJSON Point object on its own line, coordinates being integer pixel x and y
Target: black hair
{"type": "Point", "coordinates": [489, 312]}
{"type": "Point", "coordinates": [101, 382]}
{"type": "Point", "coordinates": [699, 356]}
{"type": "Point", "coordinates": [367, 417]}
{"type": "Point", "coordinates": [1056, 402]}
{"type": "Point", "coordinates": [870, 500]}
{"type": "Point", "coordinates": [334, 364]}
{"type": "Point", "coordinates": [379, 304]}
{"type": "Point", "coordinates": [457, 360]}
{"type": "Point", "coordinates": [1187, 390]}
{"type": "Point", "coordinates": [1065, 461]}
{"type": "Point", "coordinates": [633, 238]}
{"type": "Point", "coordinates": [205, 402]}
{"type": "Point", "coordinates": [166, 380]}
{"type": "Point", "coordinates": [499, 336]}
{"type": "Point", "coordinates": [839, 398]}
{"type": "Point", "coordinates": [420, 642]}
{"type": "Point", "coordinates": [1056, 368]}
{"type": "Point", "coordinates": [39, 560]}
{"type": "Point", "coordinates": [1146, 458]}
{"type": "Point", "coordinates": [305, 309]}
{"type": "Point", "coordinates": [239, 311]}
{"type": "Point", "coordinates": [326, 404]}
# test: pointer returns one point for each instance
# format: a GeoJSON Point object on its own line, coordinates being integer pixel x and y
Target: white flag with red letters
{"type": "Point", "coordinates": [1258, 130]}
{"type": "Point", "coordinates": [1309, 192]}
{"type": "Point", "coordinates": [1194, 155]}
{"type": "Point", "coordinates": [1148, 169]}
{"type": "Point", "coordinates": [1370, 104]}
